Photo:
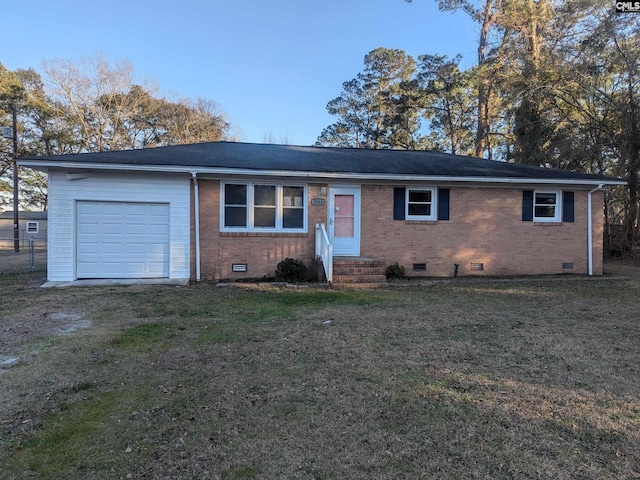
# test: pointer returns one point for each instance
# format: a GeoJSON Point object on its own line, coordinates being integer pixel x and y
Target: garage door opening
{"type": "Point", "coordinates": [122, 240]}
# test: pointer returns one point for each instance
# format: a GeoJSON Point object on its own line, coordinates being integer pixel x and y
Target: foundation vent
{"type": "Point", "coordinates": [239, 267]}
{"type": "Point", "coordinates": [567, 266]}
{"type": "Point", "coordinates": [420, 267]}
{"type": "Point", "coordinates": [477, 267]}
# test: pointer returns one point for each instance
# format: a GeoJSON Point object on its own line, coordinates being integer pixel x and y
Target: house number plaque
{"type": "Point", "coordinates": [317, 202]}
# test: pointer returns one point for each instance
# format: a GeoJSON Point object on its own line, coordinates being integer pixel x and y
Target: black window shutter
{"type": "Point", "coordinates": [398, 203]}
{"type": "Point", "coordinates": [443, 204]}
{"type": "Point", "coordinates": [567, 207]}
{"type": "Point", "coordinates": [527, 205]}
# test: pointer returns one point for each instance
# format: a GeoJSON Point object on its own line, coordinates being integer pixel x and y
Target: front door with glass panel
{"type": "Point", "coordinates": [344, 220]}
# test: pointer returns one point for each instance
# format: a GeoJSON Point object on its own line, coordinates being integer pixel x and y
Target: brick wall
{"type": "Point", "coordinates": [260, 251]}
{"type": "Point", "coordinates": [485, 227]}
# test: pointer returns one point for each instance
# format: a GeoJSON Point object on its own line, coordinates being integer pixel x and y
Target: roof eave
{"type": "Point", "coordinates": [46, 165]}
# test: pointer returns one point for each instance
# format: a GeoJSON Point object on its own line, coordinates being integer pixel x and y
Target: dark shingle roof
{"type": "Point", "coordinates": [288, 158]}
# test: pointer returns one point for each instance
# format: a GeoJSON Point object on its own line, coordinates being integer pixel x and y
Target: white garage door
{"type": "Point", "coordinates": [122, 240]}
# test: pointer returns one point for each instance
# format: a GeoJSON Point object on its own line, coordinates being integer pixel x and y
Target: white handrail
{"type": "Point", "coordinates": [324, 250]}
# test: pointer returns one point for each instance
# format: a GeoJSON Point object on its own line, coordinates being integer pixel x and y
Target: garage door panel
{"type": "Point", "coordinates": [111, 208]}
{"type": "Point", "coordinates": [156, 213]}
{"type": "Point", "coordinates": [137, 229]}
{"type": "Point", "coordinates": [156, 268]}
{"type": "Point", "coordinates": [158, 222]}
{"type": "Point", "coordinates": [134, 269]}
{"type": "Point", "coordinates": [90, 238]}
{"type": "Point", "coordinates": [112, 248]}
{"type": "Point", "coordinates": [88, 227]}
{"type": "Point", "coordinates": [113, 270]}
{"type": "Point", "coordinates": [122, 240]}
{"type": "Point", "coordinates": [89, 249]}
{"type": "Point", "coordinates": [142, 209]}
{"type": "Point", "coordinates": [136, 249]}
{"type": "Point", "coordinates": [158, 252]}
{"type": "Point", "coordinates": [85, 268]}
{"type": "Point", "coordinates": [109, 221]}
{"type": "Point", "coordinates": [158, 230]}
{"type": "Point", "coordinates": [110, 238]}
{"type": "Point", "coordinates": [88, 208]}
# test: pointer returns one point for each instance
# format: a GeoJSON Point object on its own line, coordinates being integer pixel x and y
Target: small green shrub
{"type": "Point", "coordinates": [394, 271]}
{"type": "Point", "coordinates": [291, 270]}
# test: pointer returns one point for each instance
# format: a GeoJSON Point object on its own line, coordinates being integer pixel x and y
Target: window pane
{"type": "Point", "coordinates": [422, 209]}
{"type": "Point", "coordinates": [264, 195]}
{"type": "Point", "coordinates": [264, 217]}
{"type": "Point", "coordinates": [420, 196]}
{"type": "Point", "coordinates": [545, 198]}
{"type": "Point", "coordinates": [545, 211]}
{"type": "Point", "coordinates": [293, 218]}
{"type": "Point", "coordinates": [292, 196]}
{"type": "Point", "coordinates": [235, 194]}
{"type": "Point", "coordinates": [235, 216]}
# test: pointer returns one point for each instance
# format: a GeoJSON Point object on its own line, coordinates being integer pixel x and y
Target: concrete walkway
{"type": "Point", "coordinates": [123, 281]}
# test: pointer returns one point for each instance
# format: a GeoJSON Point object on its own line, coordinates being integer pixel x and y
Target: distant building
{"type": "Point", "coordinates": [6, 225]}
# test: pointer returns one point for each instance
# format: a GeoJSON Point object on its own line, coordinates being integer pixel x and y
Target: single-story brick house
{"type": "Point", "coordinates": [226, 210]}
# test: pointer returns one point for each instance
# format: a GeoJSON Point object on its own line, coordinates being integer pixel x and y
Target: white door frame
{"type": "Point", "coordinates": [345, 246]}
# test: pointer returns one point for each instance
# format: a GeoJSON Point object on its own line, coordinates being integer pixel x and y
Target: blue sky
{"type": "Point", "coordinates": [271, 64]}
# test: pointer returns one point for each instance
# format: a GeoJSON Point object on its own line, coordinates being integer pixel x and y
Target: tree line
{"type": "Point", "coordinates": [555, 83]}
{"type": "Point", "coordinates": [92, 105]}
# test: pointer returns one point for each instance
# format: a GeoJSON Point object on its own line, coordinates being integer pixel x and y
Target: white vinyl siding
{"type": "Point", "coordinates": [149, 188]}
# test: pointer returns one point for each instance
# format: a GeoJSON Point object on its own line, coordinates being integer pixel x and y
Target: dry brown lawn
{"type": "Point", "coordinates": [11, 262]}
{"type": "Point", "coordinates": [487, 380]}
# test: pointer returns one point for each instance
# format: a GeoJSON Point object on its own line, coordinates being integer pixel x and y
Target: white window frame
{"type": "Point", "coordinates": [251, 205]}
{"type": "Point", "coordinates": [434, 201]}
{"type": "Point", "coordinates": [558, 206]}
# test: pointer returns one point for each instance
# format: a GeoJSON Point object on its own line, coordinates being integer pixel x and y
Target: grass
{"type": "Point", "coordinates": [466, 380]}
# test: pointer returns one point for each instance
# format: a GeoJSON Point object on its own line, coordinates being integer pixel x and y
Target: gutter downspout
{"type": "Point", "coordinates": [590, 228]}
{"type": "Point", "coordinates": [196, 202]}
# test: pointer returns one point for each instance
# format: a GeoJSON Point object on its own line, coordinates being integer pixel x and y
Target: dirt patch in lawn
{"type": "Point", "coordinates": [20, 331]}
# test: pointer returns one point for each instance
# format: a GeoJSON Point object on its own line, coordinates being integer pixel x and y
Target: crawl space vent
{"type": "Point", "coordinates": [239, 267]}
{"type": "Point", "coordinates": [477, 267]}
{"type": "Point", "coordinates": [567, 266]}
{"type": "Point", "coordinates": [420, 267]}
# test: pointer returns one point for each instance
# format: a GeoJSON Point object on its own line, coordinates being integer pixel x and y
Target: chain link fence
{"type": "Point", "coordinates": [31, 257]}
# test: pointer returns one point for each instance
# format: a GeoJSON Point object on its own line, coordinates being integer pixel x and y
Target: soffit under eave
{"type": "Point", "coordinates": [335, 178]}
